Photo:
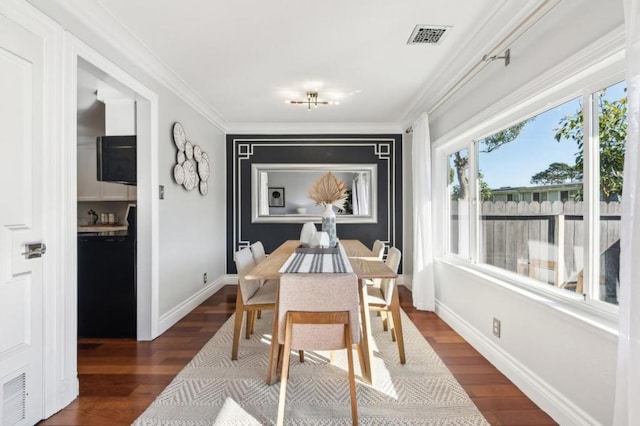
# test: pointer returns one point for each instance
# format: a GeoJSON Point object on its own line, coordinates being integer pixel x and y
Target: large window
{"type": "Point", "coordinates": [541, 187]}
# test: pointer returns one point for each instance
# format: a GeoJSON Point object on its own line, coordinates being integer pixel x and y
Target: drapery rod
{"type": "Point", "coordinates": [510, 38]}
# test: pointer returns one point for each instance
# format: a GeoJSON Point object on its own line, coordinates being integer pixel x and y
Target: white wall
{"type": "Point", "coordinates": [191, 226]}
{"type": "Point", "coordinates": [563, 360]}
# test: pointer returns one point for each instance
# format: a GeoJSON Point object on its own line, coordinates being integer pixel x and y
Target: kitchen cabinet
{"type": "Point", "coordinates": [89, 188]}
{"type": "Point", "coordinates": [106, 286]}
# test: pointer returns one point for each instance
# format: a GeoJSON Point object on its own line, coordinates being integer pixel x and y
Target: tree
{"type": "Point", "coordinates": [557, 173]}
{"type": "Point", "coordinates": [612, 123]}
{"type": "Point", "coordinates": [461, 163]}
{"type": "Point", "coordinates": [495, 141]}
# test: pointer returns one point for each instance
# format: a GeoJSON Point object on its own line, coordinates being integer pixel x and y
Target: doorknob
{"type": "Point", "coordinates": [34, 250]}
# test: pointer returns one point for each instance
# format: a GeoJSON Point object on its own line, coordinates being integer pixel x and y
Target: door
{"type": "Point", "coordinates": [21, 195]}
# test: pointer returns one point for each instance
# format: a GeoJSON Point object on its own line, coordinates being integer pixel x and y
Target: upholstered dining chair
{"type": "Point", "coordinates": [318, 312]}
{"type": "Point", "coordinates": [257, 250]}
{"type": "Point", "coordinates": [251, 297]}
{"type": "Point", "coordinates": [384, 298]}
{"type": "Point", "coordinates": [378, 249]}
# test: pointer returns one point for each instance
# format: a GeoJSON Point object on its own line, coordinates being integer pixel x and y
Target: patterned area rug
{"type": "Point", "coordinates": [213, 390]}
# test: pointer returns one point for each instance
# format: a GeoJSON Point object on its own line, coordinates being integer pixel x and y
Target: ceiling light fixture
{"type": "Point", "coordinates": [312, 101]}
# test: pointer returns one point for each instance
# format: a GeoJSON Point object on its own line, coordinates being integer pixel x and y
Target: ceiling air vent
{"type": "Point", "coordinates": [427, 34]}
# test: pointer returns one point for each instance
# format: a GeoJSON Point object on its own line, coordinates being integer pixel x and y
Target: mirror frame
{"type": "Point", "coordinates": [256, 168]}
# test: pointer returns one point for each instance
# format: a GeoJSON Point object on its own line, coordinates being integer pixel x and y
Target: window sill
{"type": "Point", "coordinates": [604, 318]}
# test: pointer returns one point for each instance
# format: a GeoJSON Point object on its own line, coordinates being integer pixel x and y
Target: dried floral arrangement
{"type": "Point", "coordinates": [329, 190]}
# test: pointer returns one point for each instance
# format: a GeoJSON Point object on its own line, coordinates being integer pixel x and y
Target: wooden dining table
{"type": "Point", "coordinates": [364, 264]}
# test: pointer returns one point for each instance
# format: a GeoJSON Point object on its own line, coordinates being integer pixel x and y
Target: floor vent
{"type": "Point", "coordinates": [14, 400]}
{"type": "Point", "coordinates": [427, 34]}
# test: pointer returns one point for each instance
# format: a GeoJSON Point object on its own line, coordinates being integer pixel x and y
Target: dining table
{"type": "Point", "coordinates": [364, 263]}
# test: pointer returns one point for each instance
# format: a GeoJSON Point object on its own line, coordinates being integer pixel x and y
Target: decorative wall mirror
{"type": "Point", "coordinates": [269, 180]}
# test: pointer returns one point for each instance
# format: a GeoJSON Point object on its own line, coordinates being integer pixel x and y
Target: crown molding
{"type": "Point", "coordinates": [313, 128]}
{"type": "Point", "coordinates": [505, 15]}
{"type": "Point", "coordinates": [105, 26]}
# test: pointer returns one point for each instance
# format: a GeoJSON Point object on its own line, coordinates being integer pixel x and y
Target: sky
{"type": "Point", "coordinates": [514, 163]}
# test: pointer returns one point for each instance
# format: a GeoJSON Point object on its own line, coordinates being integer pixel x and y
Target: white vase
{"type": "Point", "coordinates": [307, 233]}
{"type": "Point", "coordinates": [329, 224]}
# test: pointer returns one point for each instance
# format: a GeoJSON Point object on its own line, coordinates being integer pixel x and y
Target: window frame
{"type": "Point", "coordinates": [599, 75]}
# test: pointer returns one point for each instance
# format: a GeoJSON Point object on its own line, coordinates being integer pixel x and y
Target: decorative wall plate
{"type": "Point", "coordinates": [205, 156]}
{"type": "Point", "coordinates": [180, 157]}
{"type": "Point", "coordinates": [190, 176]}
{"type": "Point", "coordinates": [188, 150]}
{"type": "Point", "coordinates": [203, 169]}
{"type": "Point", "coordinates": [197, 153]}
{"type": "Point", "coordinates": [204, 187]}
{"type": "Point", "coordinates": [179, 136]}
{"type": "Point", "coordinates": [178, 174]}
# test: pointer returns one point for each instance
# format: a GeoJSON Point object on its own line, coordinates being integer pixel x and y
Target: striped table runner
{"type": "Point", "coordinates": [317, 263]}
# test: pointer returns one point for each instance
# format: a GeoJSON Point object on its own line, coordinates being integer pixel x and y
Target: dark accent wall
{"type": "Point", "coordinates": [244, 150]}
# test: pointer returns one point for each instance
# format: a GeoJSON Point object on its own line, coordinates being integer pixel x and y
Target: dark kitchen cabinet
{"type": "Point", "coordinates": [106, 286]}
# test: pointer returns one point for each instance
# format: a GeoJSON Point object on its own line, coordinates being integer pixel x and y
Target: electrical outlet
{"type": "Point", "coordinates": [496, 327]}
{"type": "Point", "coordinates": [204, 278]}
{"type": "Point", "coordinates": [161, 192]}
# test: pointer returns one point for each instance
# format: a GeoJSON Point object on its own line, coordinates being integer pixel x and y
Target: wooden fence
{"type": "Point", "coordinates": [516, 234]}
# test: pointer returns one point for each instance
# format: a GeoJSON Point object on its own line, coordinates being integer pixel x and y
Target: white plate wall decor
{"type": "Point", "coordinates": [192, 164]}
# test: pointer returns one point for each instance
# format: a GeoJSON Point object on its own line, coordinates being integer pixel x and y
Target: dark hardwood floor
{"type": "Point", "coordinates": [119, 378]}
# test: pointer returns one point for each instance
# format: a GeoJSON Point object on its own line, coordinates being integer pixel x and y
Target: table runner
{"type": "Point", "coordinates": [317, 263]}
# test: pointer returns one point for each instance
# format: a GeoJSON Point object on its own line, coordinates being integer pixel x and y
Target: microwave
{"type": "Point", "coordinates": [116, 156]}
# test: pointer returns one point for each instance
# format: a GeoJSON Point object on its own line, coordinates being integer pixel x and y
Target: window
{"type": "Point", "coordinates": [459, 192]}
{"type": "Point", "coordinates": [542, 234]}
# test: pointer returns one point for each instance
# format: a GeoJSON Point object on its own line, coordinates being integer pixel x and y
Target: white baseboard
{"type": "Point", "coordinates": [557, 405]}
{"type": "Point", "coordinates": [405, 280]}
{"type": "Point", "coordinates": [177, 313]}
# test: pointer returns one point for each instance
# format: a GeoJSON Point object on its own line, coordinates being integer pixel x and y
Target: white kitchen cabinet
{"type": "Point", "coordinates": [89, 188]}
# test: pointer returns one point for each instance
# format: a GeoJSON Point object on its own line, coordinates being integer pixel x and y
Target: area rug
{"type": "Point", "coordinates": [213, 390]}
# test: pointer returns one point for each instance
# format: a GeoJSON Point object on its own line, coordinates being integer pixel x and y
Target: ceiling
{"type": "Point", "coordinates": [246, 58]}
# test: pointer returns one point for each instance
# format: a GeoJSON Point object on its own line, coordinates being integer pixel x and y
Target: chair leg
{"type": "Point", "coordinates": [390, 323]}
{"type": "Point", "coordinates": [237, 327]}
{"type": "Point", "coordinates": [352, 379]}
{"type": "Point", "coordinates": [259, 314]}
{"type": "Point", "coordinates": [251, 321]}
{"type": "Point", "coordinates": [397, 325]}
{"type": "Point", "coordinates": [301, 355]}
{"type": "Point", "coordinates": [361, 359]}
{"type": "Point", "coordinates": [385, 322]}
{"type": "Point", "coordinates": [285, 373]}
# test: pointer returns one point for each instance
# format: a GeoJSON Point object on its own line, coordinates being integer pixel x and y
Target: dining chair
{"type": "Point", "coordinates": [378, 249]}
{"type": "Point", "coordinates": [318, 312]}
{"type": "Point", "coordinates": [259, 255]}
{"type": "Point", "coordinates": [384, 298]}
{"type": "Point", "coordinates": [250, 298]}
{"type": "Point", "coordinates": [257, 250]}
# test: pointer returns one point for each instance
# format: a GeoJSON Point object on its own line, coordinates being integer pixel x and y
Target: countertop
{"type": "Point", "coordinates": [101, 228]}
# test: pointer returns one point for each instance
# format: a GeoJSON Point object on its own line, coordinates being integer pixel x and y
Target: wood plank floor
{"type": "Point", "coordinates": [119, 378]}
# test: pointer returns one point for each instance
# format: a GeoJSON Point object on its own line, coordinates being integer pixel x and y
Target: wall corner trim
{"type": "Point", "coordinates": [556, 404]}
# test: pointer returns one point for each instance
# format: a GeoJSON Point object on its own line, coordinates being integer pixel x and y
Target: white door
{"type": "Point", "coordinates": [21, 181]}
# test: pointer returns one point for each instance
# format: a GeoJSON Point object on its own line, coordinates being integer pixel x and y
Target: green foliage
{"type": "Point", "coordinates": [495, 141]}
{"type": "Point", "coordinates": [612, 124]}
{"type": "Point", "coordinates": [557, 173]}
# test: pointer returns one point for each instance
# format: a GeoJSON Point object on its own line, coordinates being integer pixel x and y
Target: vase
{"type": "Point", "coordinates": [329, 224]}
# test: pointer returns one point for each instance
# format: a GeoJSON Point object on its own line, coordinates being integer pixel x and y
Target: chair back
{"type": "Point", "coordinates": [244, 264]}
{"type": "Point", "coordinates": [378, 249]}
{"type": "Point", "coordinates": [257, 249]}
{"type": "Point", "coordinates": [387, 285]}
{"type": "Point", "coordinates": [318, 293]}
